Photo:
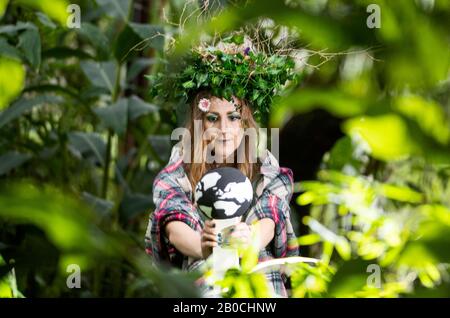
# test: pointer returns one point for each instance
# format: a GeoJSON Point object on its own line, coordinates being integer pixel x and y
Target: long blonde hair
{"type": "Point", "coordinates": [195, 170]}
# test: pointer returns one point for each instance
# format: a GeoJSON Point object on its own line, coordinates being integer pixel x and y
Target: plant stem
{"type": "Point", "coordinates": [107, 164]}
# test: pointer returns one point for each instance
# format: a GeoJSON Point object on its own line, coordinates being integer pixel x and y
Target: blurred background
{"type": "Point", "coordinates": [366, 131]}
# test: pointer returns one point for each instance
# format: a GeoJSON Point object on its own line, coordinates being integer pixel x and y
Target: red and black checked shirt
{"type": "Point", "coordinates": [172, 195]}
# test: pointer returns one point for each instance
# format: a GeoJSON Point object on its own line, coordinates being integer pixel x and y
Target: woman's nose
{"type": "Point", "coordinates": [223, 125]}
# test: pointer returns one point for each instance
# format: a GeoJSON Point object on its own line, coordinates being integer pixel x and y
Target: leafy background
{"type": "Point", "coordinates": [366, 132]}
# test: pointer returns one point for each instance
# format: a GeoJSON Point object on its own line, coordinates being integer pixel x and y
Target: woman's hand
{"type": "Point", "coordinates": [240, 233]}
{"type": "Point", "coordinates": [208, 238]}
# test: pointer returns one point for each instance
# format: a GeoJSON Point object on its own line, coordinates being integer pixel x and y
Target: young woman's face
{"type": "Point", "coordinates": [223, 121]}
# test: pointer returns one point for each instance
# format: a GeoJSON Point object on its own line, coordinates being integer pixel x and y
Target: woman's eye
{"type": "Point", "coordinates": [235, 117]}
{"type": "Point", "coordinates": [211, 119]}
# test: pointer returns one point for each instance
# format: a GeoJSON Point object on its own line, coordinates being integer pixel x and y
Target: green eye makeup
{"type": "Point", "coordinates": [234, 116]}
{"type": "Point", "coordinates": [211, 118]}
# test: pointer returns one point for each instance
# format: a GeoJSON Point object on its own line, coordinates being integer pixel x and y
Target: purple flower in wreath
{"type": "Point", "coordinates": [247, 49]}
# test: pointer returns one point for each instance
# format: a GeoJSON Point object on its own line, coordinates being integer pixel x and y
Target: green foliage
{"type": "Point", "coordinates": [388, 225]}
{"type": "Point", "coordinates": [12, 78]}
{"type": "Point", "coordinates": [8, 284]}
{"type": "Point", "coordinates": [253, 76]}
{"type": "Point", "coordinates": [55, 9]}
{"type": "Point", "coordinates": [10, 160]}
{"type": "Point", "coordinates": [3, 6]}
{"type": "Point", "coordinates": [66, 222]}
{"type": "Point", "coordinates": [77, 156]}
{"type": "Point", "coordinates": [81, 141]}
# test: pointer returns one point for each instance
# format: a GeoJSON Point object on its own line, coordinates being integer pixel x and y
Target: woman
{"type": "Point", "coordinates": [177, 232]}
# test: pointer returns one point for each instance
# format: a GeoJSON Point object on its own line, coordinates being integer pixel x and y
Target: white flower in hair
{"type": "Point", "coordinates": [204, 104]}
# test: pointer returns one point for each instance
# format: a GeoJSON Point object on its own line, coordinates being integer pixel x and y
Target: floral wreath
{"type": "Point", "coordinates": [230, 68]}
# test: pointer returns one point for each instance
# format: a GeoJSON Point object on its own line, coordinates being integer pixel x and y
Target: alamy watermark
{"type": "Point", "coordinates": [74, 279]}
{"type": "Point", "coordinates": [374, 19]}
{"type": "Point", "coordinates": [374, 279]}
{"type": "Point", "coordinates": [74, 18]}
{"type": "Point", "coordinates": [248, 143]}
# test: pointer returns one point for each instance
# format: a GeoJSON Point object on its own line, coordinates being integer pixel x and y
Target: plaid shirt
{"type": "Point", "coordinates": [173, 197]}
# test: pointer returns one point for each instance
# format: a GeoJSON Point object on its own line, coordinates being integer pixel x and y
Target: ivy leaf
{"type": "Point", "coordinates": [263, 84]}
{"type": "Point", "coordinates": [189, 84]}
{"type": "Point", "coordinates": [201, 78]}
{"type": "Point", "coordinates": [255, 95]}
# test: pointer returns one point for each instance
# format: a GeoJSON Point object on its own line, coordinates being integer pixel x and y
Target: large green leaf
{"type": "Point", "coordinates": [62, 52]}
{"type": "Point", "coordinates": [55, 9]}
{"type": "Point", "coordinates": [152, 34]}
{"type": "Point", "coordinates": [114, 116]}
{"type": "Point", "coordinates": [100, 74]}
{"type": "Point", "coordinates": [66, 221]}
{"type": "Point", "coordinates": [9, 50]}
{"type": "Point", "coordinates": [3, 5]}
{"type": "Point", "coordinates": [8, 283]}
{"type": "Point", "coordinates": [97, 38]}
{"type": "Point", "coordinates": [11, 160]}
{"type": "Point", "coordinates": [429, 244]}
{"type": "Point", "coordinates": [101, 206]}
{"type": "Point", "coordinates": [123, 47]}
{"type": "Point", "coordinates": [12, 29]}
{"type": "Point", "coordinates": [88, 145]}
{"type": "Point", "coordinates": [24, 105]}
{"type": "Point", "coordinates": [161, 144]}
{"type": "Point", "coordinates": [392, 137]}
{"type": "Point", "coordinates": [138, 107]}
{"type": "Point", "coordinates": [74, 230]}
{"type": "Point", "coordinates": [429, 115]}
{"type": "Point", "coordinates": [351, 277]}
{"type": "Point", "coordinates": [427, 250]}
{"type": "Point", "coordinates": [30, 44]}
{"type": "Point", "coordinates": [386, 135]}
{"type": "Point", "coordinates": [414, 61]}
{"type": "Point", "coordinates": [135, 204]}
{"type": "Point", "coordinates": [137, 36]}
{"type": "Point", "coordinates": [45, 20]}
{"type": "Point", "coordinates": [342, 155]}
{"type": "Point", "coordinates": [137, 66]}
{"type": "Point", "coordinates": [58, 90]}
{"type": "Point", "coordinates": [115, 8]}
{"type": "Point", "coordinates": [336, 102]}
{"type": "Point", "coordinates": [12, 79]}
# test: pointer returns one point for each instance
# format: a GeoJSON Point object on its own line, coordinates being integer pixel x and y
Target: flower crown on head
{"type": "Point", "coordinates": [231, 68]}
